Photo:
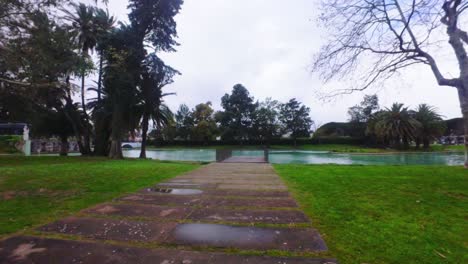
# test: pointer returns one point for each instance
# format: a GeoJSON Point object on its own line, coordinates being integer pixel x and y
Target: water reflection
{"type": "Point", "coordinates": [312, 157]}
{"type": "Point", "coordinates": [175, 191]}
{"type": "Point", "coordinates": [213, 234]}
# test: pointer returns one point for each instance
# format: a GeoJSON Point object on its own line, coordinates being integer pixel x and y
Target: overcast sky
{"type": "Point", "coordinates": [268, 46]}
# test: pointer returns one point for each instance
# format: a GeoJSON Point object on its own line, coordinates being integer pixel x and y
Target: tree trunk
{"type": "Point", "coordinates": [405, 143]}
{"type": "Point", "coordinates": [426, 143]}
{"type": "Point", "coordinates": [63, 146]}
{"type": "Point", "coordinates": [83, 104]}
{"type": "Point", "coordinates": [86, 135]}
{"type": "Point", "coordinates": [101, 146]}
{"type": "Point", "coordinates": [115, 151]}
{"type": "Point", "coordinates": [418, 143]}
{"type": "Point", "coordinates": [144, 136]}
{"type": "Point", "coordinates": [463, 96]}
{"type": "Point", "coordinates": [76, 131]}
{"type": "Point", "coordinates": [100, 76]}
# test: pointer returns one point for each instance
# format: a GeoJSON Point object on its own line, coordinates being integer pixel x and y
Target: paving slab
{"type": "Point", "coordinates": [138, 210]}
{"type": "Point", "coordinates": [111, 229]}
{"type": "Point", "coordinates": [247, 193]}
{"type": "Point", "coordinates": [252, 187]}
{"type": "Point", "coordinates": [223, 176]}
{"type": "Point", "coordinates": [215, 201]}
{"type": "Point", "coordinates": [225, 236]}
{"type": "Point", "coordinates": [171, 191]}
{"type": "Point", "coordinates": [245, 202]}
{"type": "Point", "coordinates": [249, 216]}
{"type": "Point", "coordinates": [225, 192]}
{"type": "Point", "coordinates": [29, 250]}
{"type": "Point", "coordinates": [162, 199]}
{"type": "Point", "coordinates": [215, 180]}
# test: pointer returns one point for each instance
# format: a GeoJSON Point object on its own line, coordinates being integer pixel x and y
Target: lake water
{"type": "Point", "coordinates": [311, 157]}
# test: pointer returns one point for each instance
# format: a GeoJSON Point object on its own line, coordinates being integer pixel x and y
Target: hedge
{"type": "Point", "coordinates": [8, 142]}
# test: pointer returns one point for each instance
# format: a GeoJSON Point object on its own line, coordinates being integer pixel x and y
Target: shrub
{"type": "Point", "coordinates": [8, 143]}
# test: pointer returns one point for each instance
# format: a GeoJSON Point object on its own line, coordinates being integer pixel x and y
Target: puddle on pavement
{"type": "Point", "coordinates": [176, 191]}
{"type": "Point", "coordinates": [178, 184]}
{"type": "Point", "coordinates": [214, 234]}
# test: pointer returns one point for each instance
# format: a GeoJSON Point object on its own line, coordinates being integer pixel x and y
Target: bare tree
{"type": "Point", "coordinates": [391, 35]}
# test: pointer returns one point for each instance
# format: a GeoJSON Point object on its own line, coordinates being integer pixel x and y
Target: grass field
{"type": "Point", "coordinates": [386, 214]}
{"type": "Point", "coordinates": [38, 190]}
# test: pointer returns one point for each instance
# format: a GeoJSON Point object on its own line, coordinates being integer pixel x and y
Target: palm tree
{"type": "Point", "coordinates": [155, 76]}
{"type": "Point", "coordinates": [104, 25]}
{"type": "Point", "coordinates": [86, 36]}
{"type": "Point", "coordinates": [396, 125]}
{"type": "Point", "coordinates": [431, 125]}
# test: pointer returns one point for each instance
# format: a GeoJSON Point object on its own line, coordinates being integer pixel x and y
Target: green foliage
{"type": "Point", "coordinates": [266, 120]}
{"type": "Point", "coordinates": [8, 142]}
{"type": "Point", "coordinates": [236, 119]}
{"type": "Point", "coordinates": [204, 128]}
{"type": "Point", "coordinates": [363, 112]}
{"type": "Point", "coordinates": [431, 127]}
{"type": "Point", "coordinates": [43, 189]}
{"type": "Point", "coordinates": [395, 125]}
{"type": "Point", "coordinates": [295, 118]}
{"type": "Point", "coordinates": [385, 214]}
{"type": "Point", "coordinates": [154, 21]}
{"type": "Point", "coordinates": [184, 122]}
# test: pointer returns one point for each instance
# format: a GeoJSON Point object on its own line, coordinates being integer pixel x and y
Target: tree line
{"type": "Point", "coordinates": [47, 45]}
{"type": "Point", "coordinates": [397, 126]}
{"type": "Point", "coordinates": [242, 119]}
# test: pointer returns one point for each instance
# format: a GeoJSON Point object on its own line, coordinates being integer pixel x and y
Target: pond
{"type": "Point", "coordinates": [311, 157]}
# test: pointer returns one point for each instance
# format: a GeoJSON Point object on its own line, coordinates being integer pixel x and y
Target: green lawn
{"type": "Point", "coordinates": [38, 190]}
{"type": "Point", "coordinates": [386, 214]}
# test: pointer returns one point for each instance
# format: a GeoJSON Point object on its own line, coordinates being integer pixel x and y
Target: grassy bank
{"type": "Point", "coordinates": [386, 214]}
{"type": "Point", "coordinates": [38, 190]}
{"type": "Point", "coordinates": [325, 147]}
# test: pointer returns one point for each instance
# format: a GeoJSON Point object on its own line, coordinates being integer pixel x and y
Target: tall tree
{"type": "Point", "coordinates": [378, 39]}
{"type": "Point", "coordinates": [204, 128]}
{"type": "Point", "coordinates": [104, 24]}
{"type": "Point", "coordinates": [236, 119]}
{"type": "Point", "coordinates": [266, 120]}
{"type": "Point", "coordinates": [38, 65]}
{"type": "Point", "coordinates": [296, 119]}
{"type": "Point", "coordinates": [153, 23]}
{"type": "Point", "coordinates": [83, 23]}
{"type": "Point", "coordinates": [363, 112]}
{"type": "Point", "coordinates": [431, 125]}
{"type": "Point", "coordinates": [396, 125]}
{"type": "Point", "coordinates": [154, 79]}
{"type": "Point", "coordinates": [121, 76]}
{"type": "Point", "coordinates": [184, 122]}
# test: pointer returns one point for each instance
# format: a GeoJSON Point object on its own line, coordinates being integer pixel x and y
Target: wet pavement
{"type": "Point", "coordinates": [221, 206]}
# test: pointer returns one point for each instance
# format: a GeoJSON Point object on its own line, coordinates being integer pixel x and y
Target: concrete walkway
{"type": "Point", "coordinates": [221, 213]}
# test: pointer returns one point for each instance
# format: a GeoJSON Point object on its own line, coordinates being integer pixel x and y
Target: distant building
{"type": "Point", "coordinates": [12, 128]}
{"type": "Point", "coordinates": [454, 134]}
{"type": "Point", "coordinates": [454, 127]}
{"type": "Point", "coordinates": [341, 129]}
